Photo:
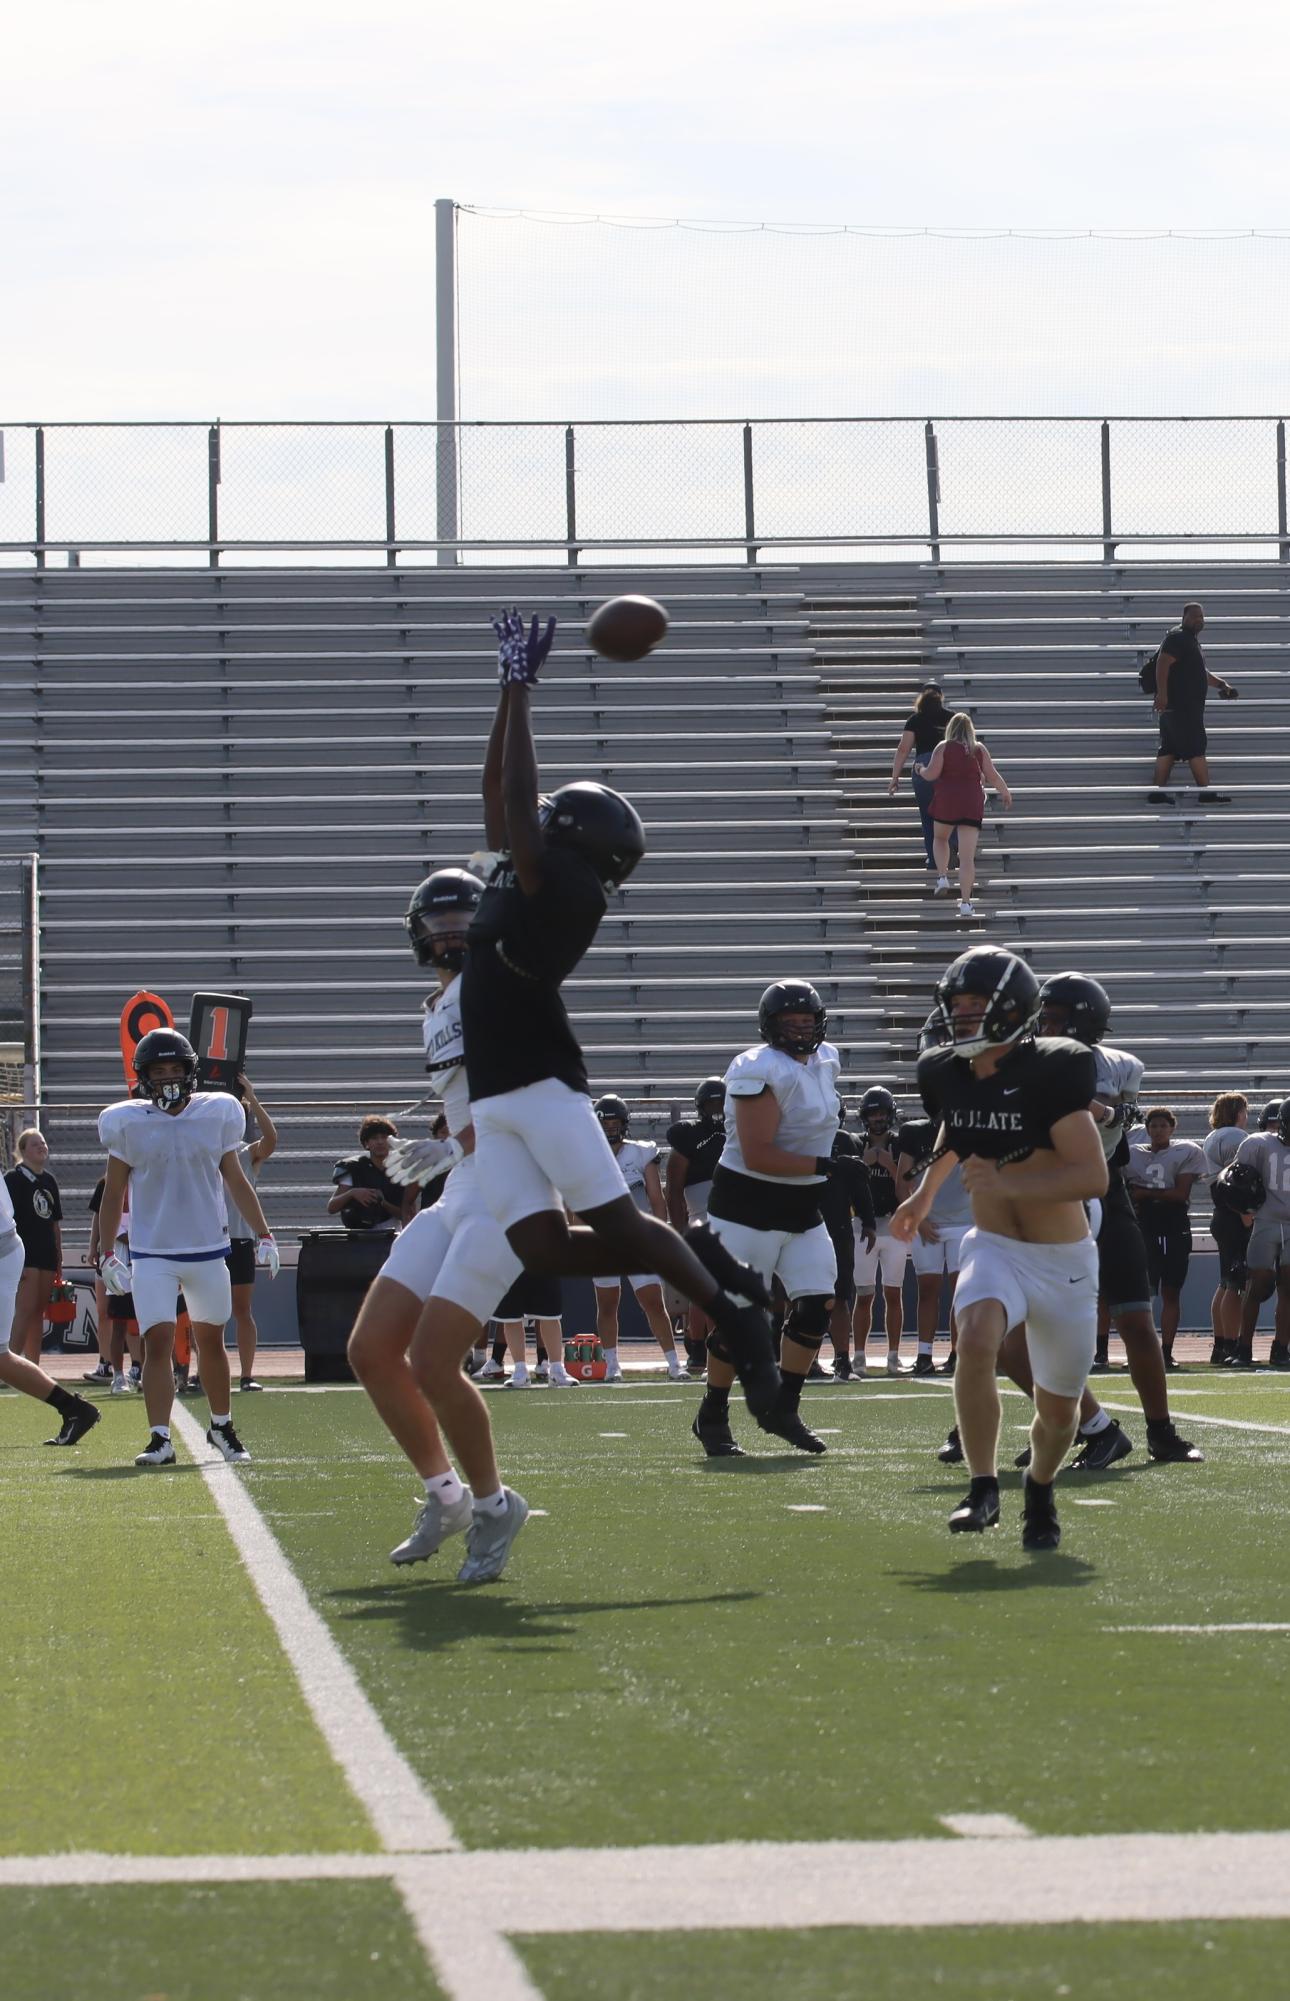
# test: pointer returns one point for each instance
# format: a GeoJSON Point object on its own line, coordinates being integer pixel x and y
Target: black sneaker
{"type": "Point", "coordinates": [249, 1383]}
{"type": "Point", "coordinates": [842, 1370]}
{"type": "Point", "coordinates": [714, 1435]}
{"type": "Point", "coordinates": [1174, 1451]}
{"type": "Point", "coordinates": [103, 1374]}
{"type": "Point", "coordinates": [1172, 1368]}
{"type": "Point", "coordinates": [978, 1510]}
{"type": "Point", "coordinates": [744, 1340]}
{"type": "Point", "coordinates": [1102, 1450]}
{"type": "Point", "coordinates": [226, 1441]}
{"type": "Point", "coordinates": [1040, 1528]}
{"type": "Point", "coordinates": [817, 1373]}
{"type": "Point", "coordinates": [1214, 798]}
{"type": "Point", "coordinates": [951, 1453]}
{"type": "Point", "coordinates": [1241, 1360]}
{"type": "Point", "coordinates": [1220, 1354]}
{"type": "Point", "coordinates": [1278, 1356]}
{"type": "Point", "coordinates": [721, 1264]}
{"type": "Point", "coordinates": [924, 1366]}
{"type": "Point", "coordinates": [1160, 799]}
{"type": "Point", "coordinates": [950, 1363]}
{"type": "Point", "coordinates": [82, 1418]}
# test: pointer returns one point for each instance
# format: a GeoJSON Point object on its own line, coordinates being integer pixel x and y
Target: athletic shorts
{"type": "Point", "coordinates": [11, 1267]}
{"type": "Point", "coordinates": [120, 1306]}
{"type": "Point", "coordinates": [1122, 1276]}
{"type": "Point", "coordinates": [945, 1255]}
{"type": "Point", "coordinates": [888, 1256]}
{"type": "Point", "coordinates": [241, 1261]}
{"type": "Point", "coordinates": [455, 1251]}
{"type": "Point", "coordinates": [1269, 1242]}
{"type": "Point", "coordinates": [1052, 1287]}
{"type": "Point", "coordinates": [534, 1296]}
{"type": "Point", "coordinates": [542, 1147]}
{"type": "Point", "coordinates": [1182, 733]}
{"type": "Point", "coordinates": [696, 1200]}
{"type": "Point", "coordinates": [205, 1282]}
{"type": "Point", "coordinates": [802, 1260]}
{"type": "Point", "coordinates": [1168, 1256]}
{"type": "Point", "coordinates": [1231, 1241]}
{"type": "Point", "coordinates": [634, 1279]}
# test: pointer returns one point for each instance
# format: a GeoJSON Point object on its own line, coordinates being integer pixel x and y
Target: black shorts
{"type": "Point", "coordinates": [120, 1306]}
{"type": "Point", "coordinates": [241, 1261]}
{"type": "Point", "coordinates": [1231, 1240]}
{"type": "Point", "coordinates": [1182, 733]}
{"type": "Point", "coordinates": [534, 1296]}
{"type": "Point", "coordinates": [1168, 1255]}
{"type": "Point", "coordinates": [1123, 1279]}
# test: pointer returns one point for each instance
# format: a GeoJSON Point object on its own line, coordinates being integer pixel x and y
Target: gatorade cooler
{"type": "Point", "coordinates": [585, 1358]}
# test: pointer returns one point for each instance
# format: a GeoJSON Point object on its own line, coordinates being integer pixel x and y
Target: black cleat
{"type": "Point", "coordinates": [951, 1453]}
{"type": "Point", "coordinates": [1241, 1360]}
{"type": "Point", "coordinates": [1040, 1528]}
{"type": "Point", "coordinates": [950, 1363]}
{"type": "Point", "coordinates": [714, 1435]}
{"type": "Point", "coordinates": [1278, 1356]}
{"type": "Point", "coordinates": [924, 1366]}
{"type": "Point", "coordinates": [817, 1373]}
{"type": "Point", "coordinates": [1102, 1450]}
{"type": "Point", "coordinates": [1220, 1354]}
{"type": "Point", "coordinates": [1172, 1368]}
{"type": "Point", "coordinates": [842, 1370]}
{"type": "Point", "coordinates": [82, 1418]}
{"type": "Point", "coordinates": [102, 1375]}
{"type": "Point", "coordinates": [721, 1264]}
{"type": "Point", "coordinates": [1023, 1457]}
{"type": "Point", "coordinates": [1174, 1451]}
{"type": "Point", "coordinates": [978, 1510]}
{"type": "Point", "coordinates": [788, 1425]}
{"type": "Point", "coordinates": [744, 1340]}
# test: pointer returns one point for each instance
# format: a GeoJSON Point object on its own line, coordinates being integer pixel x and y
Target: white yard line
{"type": "Point", "coordinates": [1201, 1417]}
{"type": "Point", "coordinates": [1250, 1626]}
{"type": "Point", "coordinates": [984, 1826]}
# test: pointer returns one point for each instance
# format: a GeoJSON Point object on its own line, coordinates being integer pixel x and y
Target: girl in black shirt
{"type": "Point", "coordinates": [923, 730]}
{"type": "Point", "coordinates": [37, 1213]}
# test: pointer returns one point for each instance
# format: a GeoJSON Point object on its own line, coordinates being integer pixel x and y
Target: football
{"type": "Point", "coordinates": [627, 628]}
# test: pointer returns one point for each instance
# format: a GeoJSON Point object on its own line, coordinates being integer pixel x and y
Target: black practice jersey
{"type": "Point", "coordinates": [1012, 1112]}
{"type": "Point", "coordinates": [917, 1141]}
{"type": "Point", "coordinates": [359, 1170]}
{"type": "Point", "coordinates": [847, 1192]}
{"type": "Point", "coordinates": [521, 948]}
{"type": "Point", "coordinates": [36, 1209]}
{"type": "Point", "coordinates": [700, 1141]}
{"type": "Point", "coordinates": [882, 1183]}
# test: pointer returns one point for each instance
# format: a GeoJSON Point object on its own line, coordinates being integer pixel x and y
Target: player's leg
{"type": "Point", "coordinates": [28, 1337]}
{"type": "Point", "coordinates": [378, 1354]}
{"type": "Point", "coordinates": [649, 1297]}
{"type": "Point", "coordinates": [241, 1271]}
{"type": "Point", "coordinates": [1279, 1353]}
{"type": "Point", "coordinates": [866, 1278]}
{"type": "Point", "coordinates": [609, 1294]}
{"type": "Point", "coordinates": [807, 1268]}
{"type": "Point", "coordinates": [1061, 1336]}
{"type": "Point", "coordinates": [977, 1409]}
{"type": "Point", "coordinates": [78, 1414]}
{"type": "Point", "coordinates": [968, 838]}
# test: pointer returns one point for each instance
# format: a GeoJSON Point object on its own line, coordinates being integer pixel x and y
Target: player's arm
{"type": "Point", "coordinates": [1076, 1173]}
{"type": "Point", "coordinates": [905, 1222]}
{"type": "Point", "coordinates": [520, 656]}
{"type": "Point", "coordinates": [92, 1254]}
{"type": "Point", "coordinates": [243, 1193]}
{"type": "Point", "coordinates": [654, 1190]}
{"type": "Point", "coordinates": [1164, 661]}
{"type": "Point", "coordinates": [757, 1120]}
{"type": "Point", "coordinates": [678, 1174]}
{"type": "Point", "coordinates": [267, 1144]}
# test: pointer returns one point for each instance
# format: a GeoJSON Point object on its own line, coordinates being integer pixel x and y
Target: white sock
{"type": "Point", "coordinates": [162, 1430]}
{"type": "Point", "coordinates": [445, 1487]}
{"type": "Point", "coordinates": [612, 1362]}
{"type": "Point", "coordinates": [491, 1504]}
{"type": "Point", "coordinates": [220, 1420]}
{"type": "Point", "coordinates": [1095, 1424]}
{"type": "Point", "coordinates": [673, 1363]}
{"type": "Point", "coordinates": [924, 1347]}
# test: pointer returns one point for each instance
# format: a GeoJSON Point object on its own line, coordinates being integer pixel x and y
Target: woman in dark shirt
{"type": "Point", "coordinates": [922, 732]}
{"type": "Point", "coordinates": [37, 1213]}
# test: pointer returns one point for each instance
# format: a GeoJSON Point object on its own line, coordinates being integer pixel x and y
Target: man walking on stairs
{"type": "Point", "coordinates": [1182, 683]}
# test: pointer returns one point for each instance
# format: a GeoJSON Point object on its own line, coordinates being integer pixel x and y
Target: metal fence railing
{"type": "Point", "coordinates": [569, 491]}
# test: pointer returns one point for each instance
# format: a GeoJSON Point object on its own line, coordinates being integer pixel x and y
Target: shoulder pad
{"type": "Point", "coordinates": [752, 1071]}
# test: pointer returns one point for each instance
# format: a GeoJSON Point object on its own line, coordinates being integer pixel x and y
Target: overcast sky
{"type": "Point", "coordinates": [229, 210]}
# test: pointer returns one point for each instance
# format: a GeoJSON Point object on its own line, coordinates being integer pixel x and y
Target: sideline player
{"type": "Point", "coordinates": [694, 1149]}
{"type": "Point", "coordinates": [886, 1256]}
{"type": "Point", "coordinates": [638, 1159]}
{"type": "Point", "coordinates": [79, 1415]}
{"type": "Point", "coordinates": [1268, 1255]}
{"type": "Point", "coordinates": [175, 1150]}
{"type": "Point", "coordinates": [1014, 1111]}
{"type": "Point", "coordinates": [782, 1110]}
{"type": "Point", "coordinates": [1229, 1117]}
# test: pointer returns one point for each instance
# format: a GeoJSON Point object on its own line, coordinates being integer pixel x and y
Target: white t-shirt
{"type": "Point", "coordinates": [1220, 1146]}
{"type": "Point", "coordinates": [633, 1157]}
{"type": "Point", "coordinates": [808, 1104]}
{"type": "Point", "coordinates": [445, 1053]}
{"type": "Point", "coordinates": [6, 1208]}
{"type": "Point", "coordinates": [176, 1189]}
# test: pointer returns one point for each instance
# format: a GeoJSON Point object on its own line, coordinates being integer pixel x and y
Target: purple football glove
{"type": "Point", "coordinates": [520, 655]}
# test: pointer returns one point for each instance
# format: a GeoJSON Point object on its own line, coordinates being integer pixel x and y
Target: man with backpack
{"type": "Point", "coordinates": [1179, 681]}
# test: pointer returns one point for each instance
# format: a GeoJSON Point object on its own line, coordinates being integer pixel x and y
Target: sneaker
{"type": "Point", "coordinates": [614, 1372]}
{"type": "Point", "coordinates": [542, 1373]}
{"type": "Point", "coordinates": [1172, 1368]}
{"type": "Point", "coordinates": [560, 1379]}
{"type": "Point", "coordinates": [966, 909]}
{"type": "Point", "coordinates": [951, 1453]}
{"type": "Point", "coordinates": [1213, 798]}
{"type": "Point", "coordinates": [975, 1514]}
{"type": "Point", "coordinates": [942, 886]}
{"type": "Point", "coordinates": [158, 1452]}
{"type": "Point", "coordinates": [226, 1441]}
{"type": "Point", "coordinates": [1160, 799]}
{"type": "Point", "coordinates": [472, 1364]}
{"type": "Point", "coordinates": [1220, 1354]}
{"type": "Point", "coordinates": [1104, 1449]}
{"type": "Point", "coordinates": [122, 1386]}
{"type": "Point", "coordinates": [82, 1417]}
{"type": "Point", "coordinates": [518, 1382]}
{"type": "Point", "coordinates": [432, 1527]}
{"type": "Point", "coordinates": [1241, 1360]}
{"type": "Point", "coordinates": [895, 1367]}
{"type": "Point", "coordinates": [817, 1373]}
{"type": "Point", "coordinates": [1278, 1356]}
{"type": "Point", "coordinates": [950, 1363]}
{"type": "Point", "coordinates": [1040, 1528]}
{"type": "Point", "coordinates": [492, 1372]}
{"type": "Point", "coordinates": [490, 1538]}
{"type": "Point", "coordinates": [842, 1369]}
{"type": "Point", "coordinates": [721, 1264]}
{"type": "Point", "coordinates": [715, 1436]}
{"type": "Point", "coordinates": [1174, 1451]}
{"type": "Point", "coordinates": [188, 1386]}
{"type": "Point", "coordinates": [859, 1367]}
{"type": "Point", "coordinates": [249, 1383]}
{"type": "Point", "coordinates": [136, 1375]}
{"type": "Point", "coordinates": [103, 1374]}
{"type": "Point", "coordinates": [924, 1366]}
{"type": "Point", "coordinates": [788, 1425]}
{"type": "Point", "coordinates": [1101, 1365]}
{"type": "Point", "coordinates": [675, 1373]}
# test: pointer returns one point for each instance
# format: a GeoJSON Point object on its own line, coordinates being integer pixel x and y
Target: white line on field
{"type": "Point", "coordinates": [984, 1826]}
{"type": "Point", "coordinates": [1252, 1626]}
{"type": "Point", "coordinates": [805, 1508]}
{"type": "Point", "coordinates": [1086, 1501]}
{"type": "Point", "coordinates": [1201, 1417]}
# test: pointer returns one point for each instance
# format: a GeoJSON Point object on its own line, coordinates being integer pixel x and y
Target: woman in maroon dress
{"type": "Point", "coordinates": [959, 771]}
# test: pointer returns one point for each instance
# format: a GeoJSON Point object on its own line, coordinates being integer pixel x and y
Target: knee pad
{"type": "Point", "coordinates": [808, 1319]}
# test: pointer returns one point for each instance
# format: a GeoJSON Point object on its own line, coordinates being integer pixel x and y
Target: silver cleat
{"type": "Point", "coordinates": [488, 1543]}
{"type": "Point", "coordinates": [432, 1527]}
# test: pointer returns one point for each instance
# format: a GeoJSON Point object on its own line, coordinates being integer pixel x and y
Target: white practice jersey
{"type": "Point", "coordinates": [1118, 1075]}
{"type": "Point", "coordinates": [634, 1156]}
{"type": "Point", "coordinates": [1271, 1156]}
{"type": "Point", "coordinates": [1163, 1166]}
{"type": "Point", "coordinates": [176, 1190]}
{"type": "Point", "coordinates": [808, 1104]}
{"type": "Point", "coordinates": [6, 1208]}
{"type": "Point", "coordinates": [1220, 1146]}
{"type": "Point", "coordinates": [445, 1053]}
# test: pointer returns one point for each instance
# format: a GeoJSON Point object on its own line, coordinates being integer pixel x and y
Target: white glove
{"type": "Point", "coordinates": [268, 1255]}
{"type": "Point", "coordinates": [413, 1162]}
{"type": "Point", "coordinates": [117, 1276]}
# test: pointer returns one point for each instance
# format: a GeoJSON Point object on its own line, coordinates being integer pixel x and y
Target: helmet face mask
{"type": "Point", "coordinates": [878, 1112]}
{"type": "Point", "coordinates": [988, 999]}
{"type": "Point", "coordinates": [165, 1048]}
{"type": "Point", "coordinates": [786, 998]}
{"type": "Point", "coordinates": [438, 917]}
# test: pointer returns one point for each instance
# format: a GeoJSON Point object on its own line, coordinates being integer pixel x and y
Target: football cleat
{"type": "Point", "coordinates": [721, 1264]}
{"type": "Point", "coordinates": [1040, 1528]}
{"type": "Point", "coordinates": [788, 1425]}
{"type": "Point", "coordinates": [490, 1538]}
{"type": "Point", "coordinates": [158, 1452]}
{"type": "Point", "coordinates": [1278, 1356]}
{"type": "Point", "coordinates": [950, 1363]}
{"type": "Point", "coordinates": [744, 1341]}
{"type": "Point", "coordinates": [81, 1418]}
{"type": "Point", "coordinates": [249, 1383]}
{"type": "Point", "coordinates": [228, 1444]}
{"type": "Point", "coordinates": [951, 1453]}
{"type": "Point", "coordinates": [1102, 1450]}
{"type": "Point", "coordinates": [1174, 1451]}
{"type": "Point", "coordinates": [434, 1523]}
{"type": "Point", "coordinates": [492, 1372]}
{"type": "Point", "coordinates": [924, 1366]}
{"type": "Point", "coordinates": [895, 1367]}
{"type": "Point", "coordinates": [1023, 1457]}
{"type": "Point", "coordinates": [977, 1511]}
{"type": "Point", "coordinates": [842, 1370]}
{"type": "Point", "coordinates": [101, 1375]}
{"type": "Point", "coordinates": [1172, 1368]}
{"type": "Point", "coordinates": [714, 1435]}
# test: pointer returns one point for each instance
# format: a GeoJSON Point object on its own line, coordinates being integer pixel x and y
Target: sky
{"type": "Point", "coordinates": [229, 211]}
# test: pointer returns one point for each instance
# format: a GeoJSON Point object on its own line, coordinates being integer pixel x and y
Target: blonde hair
{"type": "Point", "coordinates": [1226, 1109]}
{"type": "Point", "coordinates": [24, 1139]}
{"type": "Point", "coordinates": [960, 729]}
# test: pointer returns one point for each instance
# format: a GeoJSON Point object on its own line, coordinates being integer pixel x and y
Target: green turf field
{"type": "Point", "coordinates": [683, 1653]}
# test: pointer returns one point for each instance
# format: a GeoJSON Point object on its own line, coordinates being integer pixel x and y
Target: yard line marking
{"type": "Point", "coordinates": [402, 1811]}
{"type": "Point", "coordinates": [1081, 1501]}
{"type": "Point", "coordinates": [1200, 1417]}
{"type": "Point", "coordinates": [471, 1957]}
{"type": "Point", "coordinates": [1252, 1626]}
{"type": "Point", "coordinates": [613, 1434]}
{"type": "Point", "coordinates": [805, 1508]}
{"type": "Point", "coordinates": [984, 1826]}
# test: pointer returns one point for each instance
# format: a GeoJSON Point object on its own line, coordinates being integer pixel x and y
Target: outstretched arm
{"type": "Point", "coordinates": [520, 655]}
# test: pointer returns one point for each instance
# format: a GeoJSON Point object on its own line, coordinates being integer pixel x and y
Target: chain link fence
{"type": "Point", "coordinates": [702, 491]}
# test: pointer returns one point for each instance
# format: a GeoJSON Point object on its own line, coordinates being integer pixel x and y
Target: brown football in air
{"type": "Point", "coordinates": [627, 628]}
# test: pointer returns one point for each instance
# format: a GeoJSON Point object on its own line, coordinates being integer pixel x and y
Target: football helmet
{"type": "Point", "coordinates": [711, 1094]}
{"type": "Point", "coordinates": [612, 1108]}
{"type": "Point", "coordinates": [599, 824]}
{"type": "Point", "coordinates": [1270, 1116]}
{"type": "Point", "coordinates": [934, 1034]}
{"type": "Point", "coordinates": [1240, 1188]}
{"type": "Point", "coordinates": [1283, 1122]}
{"type": "Point", "coordinates": [449, 894]}
{"type": "Point", "coordinates": [877, 1105]}
{"type": "Point", "coordinates": [791, 997]}
{"type": "Point", "coordinates": [165, 1045]}
{"type": "Point", "coordinates": [1085, 1002]}
{"type": "Point", "coordinates": [1009, 989]}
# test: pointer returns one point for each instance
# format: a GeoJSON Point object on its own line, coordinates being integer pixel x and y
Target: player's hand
{"type": "Point", "coordinates": [929, 1233]}
{"type": "Point", "coordinates": [521, 655]}
{"type": "Point", "coordinates": [906, 1219]}
{"type": "Point", "coordinates": [868, 1238]}
{"type": "Point", "coordinates": [268, 1255]}
{"type": "Point", "coordinates": [1227, 693]}
{"type": "Point", "coordinates": [366, 1198]}
{"type": "Point", "coordinates": [413, 1162]}
{"type": "Point", "coordinates": [117, 1276]}
{"type": "Point", "coordinates": [980, 1174]}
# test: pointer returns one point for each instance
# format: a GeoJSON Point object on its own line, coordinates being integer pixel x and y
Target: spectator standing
{"type": "Point", "coordinates": [241, 1246]}
{"type": "Point", "coordinates": [1160, 1173]}
{"type": "Point", "coordinates": [365, 1198]}
{"type": "Point", "coordinates": [920, 734]}
{"type": "Point", "coordinates": [1182, 683]}
{"type": "Point", "coordinates": [959, 771]}
{"type": "Point", "coordinates": [38, 1213]}
{"type": "Point", "coordinates": [1228, 1119]}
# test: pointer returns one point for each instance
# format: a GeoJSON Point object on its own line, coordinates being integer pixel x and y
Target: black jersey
{"type": "Point", "coordinates": [699, 1141]}
{"type": "Point", "coordinates": [916, 1140]}
{"type": "Point", "coordinates": [36, 1209]}
{"type": "Point", "coordinates": [359, 1170]}
{"type": "Point", "coordinates": [521, 948]}
{"type": "Point", "coordinates": [1039, 1082]}
{"type": "Point", "coordinates": [882, 1182]}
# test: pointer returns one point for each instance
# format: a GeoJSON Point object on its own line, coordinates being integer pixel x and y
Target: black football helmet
{"type": "Point", "coordinates": [451, 893]}
{"type": "Point", "coordinates": [791, 997]}
{"type": "Point", "coordinates": [599, 824]}
{"type": "Point", "coordinates": [1085, 1003]}
{"type": "Point", "coordinates": [1007, 985]}
{"type": "Point", "coordinates": [1240, 1188]}
{"type": "Point", "coordinates": [612, 1108]}
{"type": "Point", "coordinates": [1270, 1116]}
{"type": "Point", "coordinates": [165, 1045]}
{"type": "Point", "coordinates": [934, 1034]}
{"type": "Point", "coordinates": [1283, 1121]}
{"type": "Point", "coordinates": [710, 1098]}
{"type": "Point", "coordinates": [877, 1112]}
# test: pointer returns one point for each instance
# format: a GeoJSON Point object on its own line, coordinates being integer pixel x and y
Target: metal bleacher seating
{"type": "Point", "coordinates": [233, 779]}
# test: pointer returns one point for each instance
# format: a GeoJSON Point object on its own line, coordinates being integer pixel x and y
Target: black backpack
{"type": "Point", "coordinates": [1147, 674]}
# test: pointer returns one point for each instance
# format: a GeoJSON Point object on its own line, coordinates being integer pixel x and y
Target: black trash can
{"type": "Point", "coordinates": [335, 1269]}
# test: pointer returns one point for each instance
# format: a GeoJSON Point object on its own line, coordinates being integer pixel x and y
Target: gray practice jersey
{"type": "Point", "coordinates": [1220, 1146]}
{"type": "Point", "coordinates": [1164, 1166]}
{"type": "Point", "coordinates": [951, 1205]}
{"type": "Point", "coordinates": [1119, 1077]}
{"type": "Point", "coordinates": [1272, 1158]}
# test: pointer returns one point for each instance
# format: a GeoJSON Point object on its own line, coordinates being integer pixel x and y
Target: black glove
{"type": "Point", "coordinates": [825, 1166]}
